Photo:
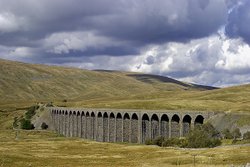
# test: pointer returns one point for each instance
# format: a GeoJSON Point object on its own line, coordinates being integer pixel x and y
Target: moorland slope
{"type": "Point", "coordinates": [22, 83]}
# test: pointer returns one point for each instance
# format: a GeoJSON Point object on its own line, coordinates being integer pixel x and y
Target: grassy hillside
{"type": "Point", "coordinates": [233, 99]}
{"type": "Point", "coordinates": [28, 82]}
{"type": "Point", "coordinates": [22, 84]}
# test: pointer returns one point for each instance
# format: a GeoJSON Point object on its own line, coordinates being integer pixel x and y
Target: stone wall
{"type": "Point", "coordinates": [136, 126]}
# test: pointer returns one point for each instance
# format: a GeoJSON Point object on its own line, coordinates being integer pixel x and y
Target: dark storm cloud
{"type": "Point", "coordinates": [239, 21]}
{"type": "Point", "coordinates": [162, 21]}
{"type": "Point", "coordinates": [180, 38]}
{"type": "Point", "coordinates": [37, 19]}
{"type": "Point", "coordinates": [141, 22]}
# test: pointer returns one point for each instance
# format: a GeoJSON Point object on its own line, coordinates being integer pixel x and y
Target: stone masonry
{"type": "Point", "coordinates": [135, 126]}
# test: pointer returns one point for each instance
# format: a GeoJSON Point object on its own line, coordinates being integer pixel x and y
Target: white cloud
{"type": "Point", "coordinates": [64, 42]}
{"type": "Point", "coordinates": [125, 63]}
{"type": "Point", "coordinates": [21, 52]}
{"type": "Point", "coordinates": [10, 23]}
{"type": "Point", "coordinates": [16, 53]}
{"type": "Point", "coordinates": [208, 61]}
{"type": "Point", "coordinates": [7, 23]}
{"type": "Point", "coordinates": [236, 59]}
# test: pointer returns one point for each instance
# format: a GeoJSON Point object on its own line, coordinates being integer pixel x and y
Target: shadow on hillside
{"type": "Point", "coordinates": [109, 71]}
{"type": "Point", "coordinates": [148, 78]}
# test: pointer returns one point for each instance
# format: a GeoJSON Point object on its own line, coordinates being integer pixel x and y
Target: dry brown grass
{"type": "Point", "coordinates": [22, 84]}
{"type": "Point", "coordinates": [45, 149]}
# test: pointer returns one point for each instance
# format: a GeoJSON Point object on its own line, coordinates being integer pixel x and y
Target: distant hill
{"type": "Point", "coordinates": [28, 83]}
{"type": "Point", "coordinates": [21, 81]}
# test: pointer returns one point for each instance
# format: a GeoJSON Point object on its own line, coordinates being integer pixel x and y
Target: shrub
{"type": "Point", "coordinates": [246, 135]}
{"type": "Point", "coordinates": [31, 112]}
{"type": "Point", "coordinates": [26, 124]}
{"type": "Point", "coordinates": [159, 141]}
{"type": "Point", "coordinates": [183, 143]}
{"type": "Point", "coordinates": [197, 139]}
{"type": "Point", "coordinates": [15, 122]}
{"type": "Point", "coordinates": [44, 126]}
{"type": "Point", "coordinates": [148, 142]}
{"type": "Point", "coordinates": [236, 133]}
{"type": "Point", "coordinates": [234, 141]}
{"type": "Point", "coordinates": [201, 137]}
{"type": "Point", "coordinates": [210, 129]}
{"type": "Point", "coordinates": [227, 134]}
{"type": "Point", "coordinates": [214, 142]}
{"type": "Point", "coordinates": [171, 142]}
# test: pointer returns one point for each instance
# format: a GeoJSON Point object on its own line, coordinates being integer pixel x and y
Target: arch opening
{"type": "Point", "coordinates": [75, 124]}
{"type": "Point", "coordinates": [88, 126]}
{"type": "Point", "coordinates": [99, 114]}
{"type": "Point", "coordinates": [105, 127]}
{"type": "Point", "coordinates": [83, 129]}
{"type": "Point", "coordinates": [199, 120]}
{"type": "Point", "coordinates": [126, 128]}
{"type": "Point", "coordinates": [79, 124]}
{"type": "Point", "coordinates": [165, 126]}
{"type": "Point", "coordinates": [63, 123]}
{"type": "Point", "coordinates": [92, 120]}
{"type": "Point", "coordinates": [175, 126]}
{"type": "Point", "coordinates": [66, 124]}
{"type": "Point", "coordinates": [71, 124]}
{"type": "Point", "coordinates": [154, 126]}
{"type": "Point", "coordinates": [134, 128]}
{"type": "Point", "coordinates": [60, 123]}
{"type": "Point", "coordinates": [119, 127]}
{"type": "Point", "coordinates": [186, 124]}
{"type": "Point", "coordinates": [145, 128]}
{"type": "Point", "coordinates": [112, 127]}
{"type": "Point", "coordinates": [99, 135]}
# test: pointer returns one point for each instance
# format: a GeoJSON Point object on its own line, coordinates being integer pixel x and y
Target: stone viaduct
{"type": "Point", "coordinates": [136, 126]}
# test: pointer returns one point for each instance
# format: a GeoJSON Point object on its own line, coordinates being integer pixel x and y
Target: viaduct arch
{"type": "Point", "coordinates": [135, 126]}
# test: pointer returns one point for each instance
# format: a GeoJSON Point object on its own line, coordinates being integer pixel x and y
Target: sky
{"type": "Point", "coordinates": [200, 41]}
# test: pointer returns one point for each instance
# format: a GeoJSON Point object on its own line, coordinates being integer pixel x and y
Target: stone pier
{"type": "Point", "coordinates": [135, 126]}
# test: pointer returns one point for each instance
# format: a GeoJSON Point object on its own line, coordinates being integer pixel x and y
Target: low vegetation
{"type": "Point", "coordinates": [246, 135]}
{"type": "Point", "coordinates": [24, 121]}
{"type": "Point", "coordinates": [31, 112]}
{"type": "Point", "coordinates": [201, 136]}
{"type": "Point", "coordinates": [26, 124]}
{"type": "Point", "coordinates": [231, 135]}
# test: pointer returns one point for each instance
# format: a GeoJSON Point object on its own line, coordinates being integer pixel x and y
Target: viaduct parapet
{"type": "Point", "coordinates": [135, 126]}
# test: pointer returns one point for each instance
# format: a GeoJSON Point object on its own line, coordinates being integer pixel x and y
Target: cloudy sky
{"type": "Point", "coordinates": [200, 41]}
